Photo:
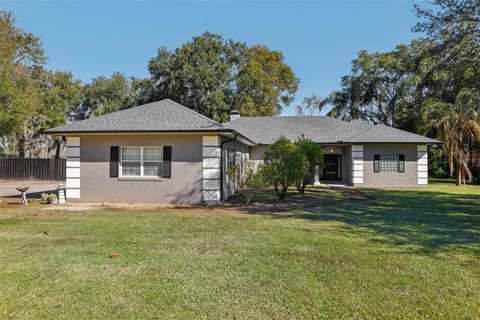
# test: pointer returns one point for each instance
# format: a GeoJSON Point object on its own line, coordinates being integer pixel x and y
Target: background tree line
{"type": "Point", "coordinates": [209, 74]}
{"type": "Point", "coordinates": [430, 86]}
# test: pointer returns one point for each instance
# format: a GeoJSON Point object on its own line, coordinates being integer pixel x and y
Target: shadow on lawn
{"type": "Point", "coordinates": [425, 221]}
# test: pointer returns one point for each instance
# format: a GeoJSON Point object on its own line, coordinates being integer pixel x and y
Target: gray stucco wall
{"type": "Point", "coordinates": [235, 145]}
{"type": "Point", "coordinates": [256, 153]}
{"type": "Point", "coordinates": [184, 187]}
{"type": "Point", "coordinates": [390, 179]}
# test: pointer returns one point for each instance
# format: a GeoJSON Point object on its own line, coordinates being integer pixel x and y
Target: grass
{"type": "Point", "coordinates": [407, 254]}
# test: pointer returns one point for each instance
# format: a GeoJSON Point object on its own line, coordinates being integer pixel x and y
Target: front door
{"type": "Point", "coordinates": [332, 169]}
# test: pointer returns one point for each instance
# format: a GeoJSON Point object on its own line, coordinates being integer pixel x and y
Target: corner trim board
{"type": "Point", "coordinates": [211, 152]}
{"type": "Point", "coordinates": [73, 168]}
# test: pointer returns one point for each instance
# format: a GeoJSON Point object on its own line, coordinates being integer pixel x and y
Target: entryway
{"type": "Point", "coordinates": [333, 167]}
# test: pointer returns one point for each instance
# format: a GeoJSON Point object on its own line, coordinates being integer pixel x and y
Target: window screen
{"type": "Point", "coordinates": [131, 161]}
{"type": "Point", "coordinates": [142, 161]}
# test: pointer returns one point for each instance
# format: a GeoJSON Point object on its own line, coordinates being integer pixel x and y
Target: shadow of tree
{"type": "Point", "coordinates": [418, 221]}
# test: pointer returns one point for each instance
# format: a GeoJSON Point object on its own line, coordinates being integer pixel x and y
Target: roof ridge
{"type": "Point", "coordinates": [362, 132]}
{"type": "Point", "coordinates": [192, 111]}
{"type": "Point", "coordinates": [409, 132]}
{"type": "Point", "coordinates": [121, 110]}
{"type": "Point", "coordinates": [344, 123]}
{"type": "Point", "coordinates": [280, 116]}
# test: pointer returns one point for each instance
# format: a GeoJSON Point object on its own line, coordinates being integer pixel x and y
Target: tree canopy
{"type": "Point", "coordinates": [427, 86]}
{"type": "Point", "coordinates": [21, 54]}
{"type": "Point", "coordinates": [208, 74]}
{"type": "Point", "coordinates": [213, 76]}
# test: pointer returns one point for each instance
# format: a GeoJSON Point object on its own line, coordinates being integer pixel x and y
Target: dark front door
{"type": "Point", "coordinates": [332, 169]}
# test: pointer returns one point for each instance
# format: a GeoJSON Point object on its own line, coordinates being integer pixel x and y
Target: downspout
{"type": "Point", "coordinates": [221, 163]}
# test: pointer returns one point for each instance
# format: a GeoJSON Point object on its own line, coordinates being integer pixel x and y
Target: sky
{"type": "Point", "coordinates": [318, 39]}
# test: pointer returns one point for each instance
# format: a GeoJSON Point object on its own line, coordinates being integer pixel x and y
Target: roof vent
{"type": "Point", "coordinates": [234, 115]}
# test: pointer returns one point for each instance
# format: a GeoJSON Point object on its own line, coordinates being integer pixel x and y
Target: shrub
{"type": "Point", "coordinates": [314, 154]}
{"type": "Point", "coordinates": [283, 163]}
{"type": "Point", "coordinates": [251, 182]}
{"type": "Point", "coordinates": [438, 162]}
{"type": "Point", "coordinates": [52, 198]}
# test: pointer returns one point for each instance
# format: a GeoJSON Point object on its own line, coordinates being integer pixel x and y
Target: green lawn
{"type": "Point", "coordinates": [407, 254]}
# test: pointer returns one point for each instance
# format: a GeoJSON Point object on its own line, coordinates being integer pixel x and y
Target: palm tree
{"type": "Point", "coordinates": [457, 125]}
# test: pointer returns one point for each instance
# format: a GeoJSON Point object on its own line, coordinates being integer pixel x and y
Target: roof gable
{"type": "Point", "coordinates": [164, 115]}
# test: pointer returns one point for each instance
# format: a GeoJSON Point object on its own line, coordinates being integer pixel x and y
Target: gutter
{"type": "Point", "coordinates": [98, 132]}
{"type": "Point", "coordinates": [221, 163]}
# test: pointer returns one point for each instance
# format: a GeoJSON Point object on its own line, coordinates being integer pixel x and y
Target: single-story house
{"type": "Point", "coordinates": [163, 152]}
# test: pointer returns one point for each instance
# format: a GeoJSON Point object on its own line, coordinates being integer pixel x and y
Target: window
{"type": "Point", "coordinates": [231, 157]}
{"type": "Point", "coordinates": [401, 163]}
{"type": "Point", "coordinates": [389, 163]}
{"type": "Point", "coordinates": [152, 161]}
{"type": "Point", "coordinates": [142, 161]}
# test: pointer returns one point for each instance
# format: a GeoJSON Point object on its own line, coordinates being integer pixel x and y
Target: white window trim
{"type": "Point", "coordinates": [121, 175]}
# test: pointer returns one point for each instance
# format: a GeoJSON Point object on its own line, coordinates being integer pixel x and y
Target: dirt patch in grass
{"type": "Point", "coordinates": [284, 206]}
{"type": "Point", "coordinates": [267, 201]}
{"type": "Point", "coordinates": [15, 204]}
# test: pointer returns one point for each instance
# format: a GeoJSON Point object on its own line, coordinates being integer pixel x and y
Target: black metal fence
{"type": "Point", "coordinates": [33, 169]}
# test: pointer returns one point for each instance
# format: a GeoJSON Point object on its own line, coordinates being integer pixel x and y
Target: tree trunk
{"type": "Point", "coordinates": [284, 192]}
{"type": "Point", "coordinates": [450, 162]}
{"type": "Point", "coordinates": [21, 146]}
{"type": "Point", "coordinates": [22, 142]}
{"type": "Point", "coordinates": [304, 185]}
{"type": "Point", "coordinates": [459, 174]}
{"type": "Point", "coordinates": [301, 187]}
{"type": "Point", "coordinates": [278, 192]}
{"type": "Point", "coordinates": [57, 148]}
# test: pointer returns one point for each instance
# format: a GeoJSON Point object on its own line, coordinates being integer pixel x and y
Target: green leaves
{"type": "Point", "coordinates": [198, 75]}
{"type": "Point", "coordinates": [21, 54]}
{"type": "Point", "coordinates": [313, 152]}
{"type": "Point", "coordinates": [104, 95]}
{"type": "Point", "coordinates": [212, 76]}
{"type": "Point", "coordinates": [287, 163]}
{"type": "Point", "coordinates": [264, 84]}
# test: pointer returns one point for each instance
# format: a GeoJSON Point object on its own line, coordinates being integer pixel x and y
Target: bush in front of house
{"type": "Point", "coordinates": [287, 163]}
{"type": "Point", "coordinates": [314, 154]}
{"type": "Point", "coordinates": [283, 163]}
{"type": "Point", "coordinates": [251, 182]}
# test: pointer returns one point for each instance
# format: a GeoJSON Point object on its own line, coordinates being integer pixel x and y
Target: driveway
{"type": "Point", "coordinates": [8, 188]}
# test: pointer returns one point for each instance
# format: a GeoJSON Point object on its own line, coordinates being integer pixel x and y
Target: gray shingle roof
{"type": "Point", "coordinates": [167, 115]}
{"type": "Point", "coordinates": [164, 115]}
{"type": "Point", "coordinates": [265, 130]}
